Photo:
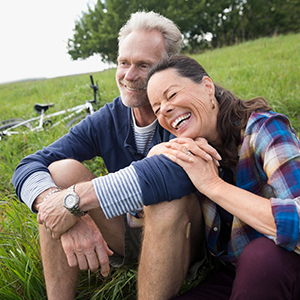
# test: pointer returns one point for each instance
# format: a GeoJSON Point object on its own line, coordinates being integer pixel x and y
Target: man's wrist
{"type": "Point", "coordinates": [71, 202]}
{"type": "Point", "coordinates": [41, 197]}
{"type": "Point", "coordinates": [87, 195]}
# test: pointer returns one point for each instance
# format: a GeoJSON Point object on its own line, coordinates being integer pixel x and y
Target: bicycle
{"type": "Point", "coordinates": [13, 126]}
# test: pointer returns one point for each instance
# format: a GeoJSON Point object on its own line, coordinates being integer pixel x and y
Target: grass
{"type": "Point", "coordinates": [268, 67]}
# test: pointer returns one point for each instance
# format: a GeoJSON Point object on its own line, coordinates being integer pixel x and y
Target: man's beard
{"type": "Point", "coordinates": [138, 100]}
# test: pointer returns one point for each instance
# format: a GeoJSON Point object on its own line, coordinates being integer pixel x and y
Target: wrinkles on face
{"type": "Point", "coordinates": [134, 85]}
{"type": "Point", "coordinates": [138, 52]}
{"type": "Point", "coordinates": [182, 106]}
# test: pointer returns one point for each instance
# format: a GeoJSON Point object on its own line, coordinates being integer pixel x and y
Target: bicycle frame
{"type": "Point", "coordinates": [88, 105]}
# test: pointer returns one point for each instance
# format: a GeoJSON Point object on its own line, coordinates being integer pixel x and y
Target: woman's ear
{"type": "Point", "coordinates": [209, 85]}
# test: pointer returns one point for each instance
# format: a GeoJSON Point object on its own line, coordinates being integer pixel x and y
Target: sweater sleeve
{"type": "Point", "coordinates": [161, 179]}
{"type": "Point", "coordinates": [145, 182]}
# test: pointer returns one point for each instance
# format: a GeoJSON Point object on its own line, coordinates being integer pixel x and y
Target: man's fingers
{"type": "Point", "coordinates": [82, 261]}
{"type": "Point", "coordinates": [104, 261]}
{"type": "Point", "coordinates": [92, 261]}
{"type": "Point", "coordinates": [40, 220]}
{"type": "Point", "coordinates": [55, 235]}
{"type": "Point", "coordinates": [108, 251]}
{"type": "Point", "coordinates": [103, 253]}
{"type": "Point", "coordinates": [72, 260]}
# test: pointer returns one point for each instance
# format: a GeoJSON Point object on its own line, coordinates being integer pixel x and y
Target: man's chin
{"type": "Point", "coordinates": [134, 102]}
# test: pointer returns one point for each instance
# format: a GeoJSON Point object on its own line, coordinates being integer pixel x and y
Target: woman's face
{"type": "Point", "coordinates": [183, 107]}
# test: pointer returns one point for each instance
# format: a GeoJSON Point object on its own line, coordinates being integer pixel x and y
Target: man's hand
{"type": "Point", "coordinates": [85, 246]}
{"type": "Point", "coordinates": [158, 149]}
{"type": "Point", "coordinates": [56, 218]}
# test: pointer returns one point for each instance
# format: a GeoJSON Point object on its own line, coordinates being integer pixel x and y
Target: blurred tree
{"type": "Point", "coordinates": [226, 21]}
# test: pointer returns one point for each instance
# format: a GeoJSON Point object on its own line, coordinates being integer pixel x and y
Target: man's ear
{"type": "Point", "coordinates": [209, 85]}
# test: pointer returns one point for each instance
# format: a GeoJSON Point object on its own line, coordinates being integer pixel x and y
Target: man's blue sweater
{"type": "Point", "coordinates": [108, 133]}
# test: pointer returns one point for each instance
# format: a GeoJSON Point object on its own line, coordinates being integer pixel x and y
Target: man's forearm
{"type": "Point", "coordinates": [145, 182]}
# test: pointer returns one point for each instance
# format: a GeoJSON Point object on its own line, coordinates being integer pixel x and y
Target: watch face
{"type": "Point", "coordinates": [70, 201]}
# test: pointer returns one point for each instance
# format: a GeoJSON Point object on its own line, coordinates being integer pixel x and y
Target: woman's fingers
{"type": "Point", "coordinates": [200, 148]}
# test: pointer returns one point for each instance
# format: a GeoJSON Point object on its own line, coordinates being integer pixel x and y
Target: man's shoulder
{"type": "Point", "coordinates": [116, 103]}
{"type": "Point", "coordinates": [112, 115]}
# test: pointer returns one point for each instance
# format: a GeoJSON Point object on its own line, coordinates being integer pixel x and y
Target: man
{"type": "Point", "coordinates": [121, 132]}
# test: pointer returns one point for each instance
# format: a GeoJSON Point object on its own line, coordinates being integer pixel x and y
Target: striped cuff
{"type": "Point", "coordinates": [34, 185]}
{"type": "Point", "coordinates": [118, 192]}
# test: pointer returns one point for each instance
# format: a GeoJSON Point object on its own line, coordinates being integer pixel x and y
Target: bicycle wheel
{"type": "Point", "coordinates": [75, 121]}
{"type": "Point", "coordinates": [12, 122]}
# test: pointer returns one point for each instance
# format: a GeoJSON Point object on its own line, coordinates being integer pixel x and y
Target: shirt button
{"type": "Point", "coordinates": [216, 228]}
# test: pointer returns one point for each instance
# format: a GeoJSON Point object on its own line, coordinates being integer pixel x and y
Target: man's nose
{"type": "Point", "coordinates": [131, 73]}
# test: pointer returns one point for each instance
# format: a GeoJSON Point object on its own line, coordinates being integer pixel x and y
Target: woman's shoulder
{"type": "Point", "coordinates": [261, 119]}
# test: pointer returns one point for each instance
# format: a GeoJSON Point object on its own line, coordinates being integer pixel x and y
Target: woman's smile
{"type": "Point", "coordinates": [181, 121]}
{"type": "Point", "coordinates": [182, 106]}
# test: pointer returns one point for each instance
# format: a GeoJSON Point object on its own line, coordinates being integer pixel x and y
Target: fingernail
{"type": "Point", "coordinates": [208, 156]}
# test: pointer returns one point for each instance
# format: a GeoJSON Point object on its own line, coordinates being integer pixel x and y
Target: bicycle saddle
{"type": "Point", "coordinates": [39, 107]}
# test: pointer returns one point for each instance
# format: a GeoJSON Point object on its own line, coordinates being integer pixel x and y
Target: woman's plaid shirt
{"type": "Point", "coordinates": [269, 166]}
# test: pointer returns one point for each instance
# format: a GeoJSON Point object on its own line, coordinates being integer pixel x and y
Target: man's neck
{"type": "Point", "coordinates": [144, 116]}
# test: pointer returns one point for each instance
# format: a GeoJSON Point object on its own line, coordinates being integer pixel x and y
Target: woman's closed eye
{"type": "Point", "coordinates": [172, 96]}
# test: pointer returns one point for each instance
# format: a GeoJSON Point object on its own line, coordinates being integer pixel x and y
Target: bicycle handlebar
{"type": "Point", "coordinates": [95, 88]}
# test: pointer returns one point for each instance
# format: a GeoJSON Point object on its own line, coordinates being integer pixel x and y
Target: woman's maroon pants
{"type": "Point", "coordinates": [264, 272]}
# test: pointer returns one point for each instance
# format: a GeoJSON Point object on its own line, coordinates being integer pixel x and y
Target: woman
{"type": "Point", "coordinates": [251, 210]}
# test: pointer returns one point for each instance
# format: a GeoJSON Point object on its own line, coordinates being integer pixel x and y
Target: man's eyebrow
{"type": "Point", "coordinates": [145, 61]}
{"type": "Point", "coordinates": [121, 58]}
{"type": "Point", "coordinates": [137, 62]}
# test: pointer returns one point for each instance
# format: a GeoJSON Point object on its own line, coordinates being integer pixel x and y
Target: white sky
{"type": "Point", "coordinates": [34, 36]}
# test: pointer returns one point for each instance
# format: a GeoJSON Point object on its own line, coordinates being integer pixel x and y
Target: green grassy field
{"type": "Point", "coordinates": [268, 67]}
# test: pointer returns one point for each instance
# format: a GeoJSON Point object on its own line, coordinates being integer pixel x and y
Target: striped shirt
{"type": "Point", "coordinates": [119, 192]}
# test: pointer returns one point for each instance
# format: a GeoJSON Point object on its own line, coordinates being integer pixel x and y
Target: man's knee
{"type": "Point", "coordinates": [69, 171]}
{"type": "Point", "coordinates": [173, 215]}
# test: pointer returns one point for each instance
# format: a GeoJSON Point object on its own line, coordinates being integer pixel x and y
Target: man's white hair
{"type": "Point", "coordinates": [148, 21]}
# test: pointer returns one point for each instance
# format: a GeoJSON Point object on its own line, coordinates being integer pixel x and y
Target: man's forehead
{"type": "Point", "coordinates": [139, 60]}
{"type": "Point", "coordinates": [143, 40]}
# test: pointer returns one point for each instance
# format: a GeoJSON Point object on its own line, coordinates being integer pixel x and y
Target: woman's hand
{"type": "Point", "coordinates": [201, 149]}
{"type": "Point", "coordinates": [198, 159]}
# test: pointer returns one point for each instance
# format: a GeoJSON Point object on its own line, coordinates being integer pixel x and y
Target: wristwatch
{"type": "Point", "coordinates": [71, 202]}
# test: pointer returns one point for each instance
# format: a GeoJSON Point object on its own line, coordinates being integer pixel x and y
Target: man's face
{"type": "Point", "coordinates": [138, 52]}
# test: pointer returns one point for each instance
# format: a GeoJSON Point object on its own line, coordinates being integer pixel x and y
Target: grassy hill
{"type": "Point", "coordinates": [268, 67]}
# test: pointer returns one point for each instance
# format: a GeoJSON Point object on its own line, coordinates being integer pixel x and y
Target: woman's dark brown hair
{"type": "Point", "coordinates": [233, 112]}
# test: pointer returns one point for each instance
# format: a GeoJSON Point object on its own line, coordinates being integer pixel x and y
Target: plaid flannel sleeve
{"type": "Point", "coordinates": [278, 147]}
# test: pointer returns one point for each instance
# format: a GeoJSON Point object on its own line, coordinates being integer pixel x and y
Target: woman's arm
{"type": "Point", "coordinates": [248, 207]}
{"type": "Point", "coordinates": [274, 150]}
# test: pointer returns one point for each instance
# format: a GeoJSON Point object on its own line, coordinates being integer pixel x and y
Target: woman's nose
{"type": "Point", "coordinates": [165, 107]}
